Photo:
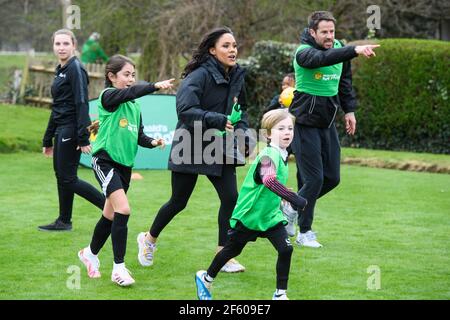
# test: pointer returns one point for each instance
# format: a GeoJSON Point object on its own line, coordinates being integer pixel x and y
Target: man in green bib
{"type": "Point", "coordinates": [323, 85]}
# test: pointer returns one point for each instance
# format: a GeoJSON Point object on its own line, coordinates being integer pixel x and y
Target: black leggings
{"type": "Point", "coordinates": [182, 186]}
{"type": "Point", "coordinates": [239, 237]}
{"type": "Point", "coordinates": [66, 158]}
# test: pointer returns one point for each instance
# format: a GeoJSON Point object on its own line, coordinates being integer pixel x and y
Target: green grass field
{"type": "Point", "coordinates": [398, 221]}
{"type": "Point", "coordinates": [24, 126]}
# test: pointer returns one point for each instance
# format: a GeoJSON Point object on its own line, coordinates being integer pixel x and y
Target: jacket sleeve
{"type": "Point", "coordinates": [243, 124]}
{"type": "Point", "coordinates": [79, 82]}
{"type": "Point", "coordinates": [347, 95]}
{"type": "Point", "coordinates": [267, 175]}
{"type": "Point", "coordinates": [189, 108]}
{"type": "Point", "coordinates": [144, 140]}
{"type": "Point", "coordinates": [49, 132]}
{"type": "Point", "coordinates": [242, 100]}
{"type": "Point", "coordinates": [112, 98]}
{"type": "Point", "coordinates": [312, 58]}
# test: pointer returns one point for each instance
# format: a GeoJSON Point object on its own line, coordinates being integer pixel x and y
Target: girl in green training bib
{"type": "Point", "coordinates": [120, 131]}
{"type": "Point", "coordinates": [257, 212]}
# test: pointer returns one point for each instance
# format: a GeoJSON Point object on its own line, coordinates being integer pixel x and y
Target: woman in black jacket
{"type": "Point", "coordinates": [213, 82]}
{"type": "Point", "coordinates": [67, 125]}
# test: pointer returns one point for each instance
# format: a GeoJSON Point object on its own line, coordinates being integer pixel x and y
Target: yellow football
{"type": "Point", "coordinates": [286, 96]}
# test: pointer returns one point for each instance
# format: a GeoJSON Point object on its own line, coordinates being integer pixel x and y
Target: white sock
{"type": "Point", "coordinates": [118, 266]}
{"type": "Point", "coordinates": [88, 251]}
{"type": "Point", "coordinates": [280, 292]}
{"type": "Point", "coordinates": [208, 278]}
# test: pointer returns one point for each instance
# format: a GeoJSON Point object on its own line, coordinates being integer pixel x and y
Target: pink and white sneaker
{"type": "Point", "coordinates": [90, 261]}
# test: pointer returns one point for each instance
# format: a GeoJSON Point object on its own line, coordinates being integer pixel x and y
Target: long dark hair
{"type": "Point", "coordinates": [201, 54]}
{"type": "Point", "coordinates": [114, 65]}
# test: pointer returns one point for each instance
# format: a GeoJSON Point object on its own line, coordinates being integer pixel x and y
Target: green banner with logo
{"type": "Point", "coordinates": [159, 118]}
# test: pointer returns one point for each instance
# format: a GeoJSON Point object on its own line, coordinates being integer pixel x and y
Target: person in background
{"type": "Point", "coordinates": [275, 103]}
{"type": "Point", "coordinates": [67, 135]}
{"type": "Point", "coordinates": [92, 51]}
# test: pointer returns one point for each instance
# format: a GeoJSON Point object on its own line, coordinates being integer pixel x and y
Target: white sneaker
{"type": "Point", "coordinates": [146, 250]}
{"type": "Point", "coordinates": [308, 239]}
{"type": "Point", "coordinates": [281, 296]}
{"type": "Point", "coordinates": [91, 262]}
{"type": "Point", "coordinates": [121, 276]}
{"type": "Point", "coordinates": [232, 266]}
{"type": "Point", "coordinates": [291, 216]}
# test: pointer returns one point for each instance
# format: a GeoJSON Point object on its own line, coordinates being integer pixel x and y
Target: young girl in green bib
{"type": "Point", "coordinates": [257, 213]}
{"type": "Point", "coordinates": [120, 131]}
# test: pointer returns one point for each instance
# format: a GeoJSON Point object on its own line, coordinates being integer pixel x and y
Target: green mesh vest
{"type": "Point", "coordinates": [257, 207]}
{"type": "Point", "coordinates": [118, 131]}
{"type": "Point", "coordinates": [323, 81]}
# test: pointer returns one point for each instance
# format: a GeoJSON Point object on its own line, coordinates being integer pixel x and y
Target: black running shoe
{"type": "Point", "coordinates": [58, 225]}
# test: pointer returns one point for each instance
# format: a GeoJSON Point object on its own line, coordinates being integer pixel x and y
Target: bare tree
{"type": "Point", "coordinates": [399, 18]}
{"type": "Point", "coordinates": [180, 24]}
{"type": "Point", "coordinates": [28, 22]}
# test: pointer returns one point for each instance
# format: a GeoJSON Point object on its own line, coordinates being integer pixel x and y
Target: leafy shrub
{"type": "Point", "coordinates": [402, 93]}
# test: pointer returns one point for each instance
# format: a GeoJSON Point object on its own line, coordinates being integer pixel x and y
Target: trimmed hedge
{"type": "Point", "coordinates": [402, 93]}
{"type": "Point", "coordinates": [403, 97]}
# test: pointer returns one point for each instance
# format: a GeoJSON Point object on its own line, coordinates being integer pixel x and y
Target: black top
{"type": "Point", "coordinates": [205, 98]}
{"type": "Point", "coordinates": [70, 105]}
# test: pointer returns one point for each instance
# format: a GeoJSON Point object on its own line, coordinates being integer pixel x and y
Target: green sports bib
{"type": "Point", "coordinates": [323, 81]}
{"type": "Point", "coordinates": [257, 207]}
{"type": "Point", "coordinates": [118, 131]}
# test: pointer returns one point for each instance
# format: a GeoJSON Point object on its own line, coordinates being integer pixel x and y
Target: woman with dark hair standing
{"type": "Point", "coordinates": [68, 127]}
{"type": "Point", "coordinates": [212, 82]}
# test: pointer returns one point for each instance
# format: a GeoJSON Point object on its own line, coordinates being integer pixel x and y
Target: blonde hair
{"type": "Point", "coordinates": [271, 118]}
{"type": "Point", "coordinates": [66, 32]}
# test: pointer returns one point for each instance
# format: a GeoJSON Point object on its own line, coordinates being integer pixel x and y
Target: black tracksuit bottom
{"type": "Point", "coordinates": [317, 152]}
{"type": "Point", "coordinates": [66, 158]}
{"type": "Point", "coordinates": [182, 187]}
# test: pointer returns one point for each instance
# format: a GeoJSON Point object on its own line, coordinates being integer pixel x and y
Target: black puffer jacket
{"type": "Point", "coordinates": [319, 111]}
{"type": "Point", "coordinates": [205, 98]}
